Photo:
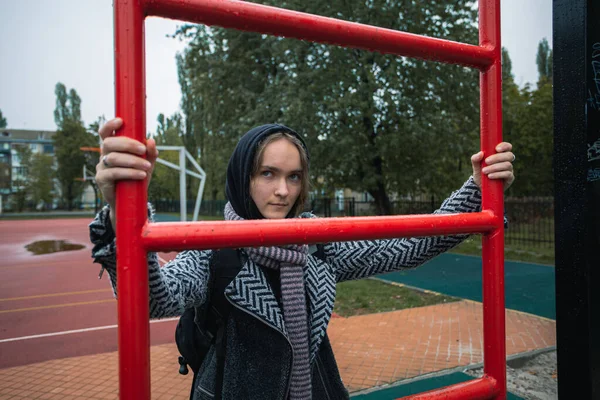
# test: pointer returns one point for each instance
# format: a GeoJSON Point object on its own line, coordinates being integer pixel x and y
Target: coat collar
{"type": "Point", "coordinates": [251, 291]}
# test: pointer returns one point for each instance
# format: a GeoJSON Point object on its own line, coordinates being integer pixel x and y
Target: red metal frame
{"type": "Point", "coordinates": [135, 237]}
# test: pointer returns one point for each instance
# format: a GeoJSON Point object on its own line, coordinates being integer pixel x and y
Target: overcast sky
{"type": "Point", "coordinates": [43, 42]}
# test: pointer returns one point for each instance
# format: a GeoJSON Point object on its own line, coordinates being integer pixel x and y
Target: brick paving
{"type": "Point", "coordinates": [378, 349]}
{"type": "Point", "coordinates": [371, 350]}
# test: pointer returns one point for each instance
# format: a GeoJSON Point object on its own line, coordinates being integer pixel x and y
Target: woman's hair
{"type": "Point", "coordinates": [304, 181]}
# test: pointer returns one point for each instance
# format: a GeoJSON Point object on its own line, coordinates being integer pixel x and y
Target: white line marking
{"type": "Point", "coordinates": [98, 328]}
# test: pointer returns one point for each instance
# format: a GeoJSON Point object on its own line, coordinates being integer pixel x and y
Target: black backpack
{"type": "Point", "coordinates": [201, 327]}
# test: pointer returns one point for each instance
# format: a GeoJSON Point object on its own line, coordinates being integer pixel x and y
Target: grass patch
{"type": "Point", "coordinates": [512, 252]}
{"type": "Point", "coordinates": [368, 296]}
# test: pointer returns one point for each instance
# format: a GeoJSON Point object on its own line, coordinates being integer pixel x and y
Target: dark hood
{"type": "Point", "coordinates": [239, 169]}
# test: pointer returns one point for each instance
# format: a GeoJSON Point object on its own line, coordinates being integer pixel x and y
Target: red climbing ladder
{"type": "Point", "coordinates": [136, 237]}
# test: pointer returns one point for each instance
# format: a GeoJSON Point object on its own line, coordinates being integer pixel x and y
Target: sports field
{"type": "Point", "coordinates": [53, 305]}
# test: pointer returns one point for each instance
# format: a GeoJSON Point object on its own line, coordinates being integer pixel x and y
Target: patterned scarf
{"type": "Point", "coordinates": [290, 260]}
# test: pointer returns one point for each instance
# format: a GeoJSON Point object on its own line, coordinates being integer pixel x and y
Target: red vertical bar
{"type": "Point", "coordinates": [493, 199]}
{"type": "Point", "coordinates": [130, 91]}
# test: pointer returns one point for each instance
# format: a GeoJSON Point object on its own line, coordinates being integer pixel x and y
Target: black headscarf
{"type": "Point", "coordinates": [239, 169]}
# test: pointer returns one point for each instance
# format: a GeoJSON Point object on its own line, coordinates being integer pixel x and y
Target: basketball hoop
{"type": "Point", "coordinates": [94, 149]}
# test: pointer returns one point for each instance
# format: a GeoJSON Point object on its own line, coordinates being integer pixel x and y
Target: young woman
{"type": "Point", "coordinates": [275, 344]}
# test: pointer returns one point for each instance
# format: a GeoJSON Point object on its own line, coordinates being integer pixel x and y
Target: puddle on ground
{"type": "Point", "coordinates": [52, 246]}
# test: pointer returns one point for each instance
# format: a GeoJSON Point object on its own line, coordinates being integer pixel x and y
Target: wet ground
{"type": "Point", "coordinates": [52, 246]}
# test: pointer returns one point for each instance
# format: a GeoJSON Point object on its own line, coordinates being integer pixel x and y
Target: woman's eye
{"type": "Point", "coordinates": [266, 174]}
{"type": "Point", "coordinates": [295, 177]}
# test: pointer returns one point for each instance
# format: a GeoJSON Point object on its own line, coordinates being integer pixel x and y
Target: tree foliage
{"type": "Point", "coordinates": [41, 179]}
{"type": "Point", "coordinates": [165, 180]}
{"type": "Point", "coordinates": [544, 62]}
{"type": "Point", "coordinates": [20, 185]}
{"type": "Point", "coordinates": [374, 122]}
{"type": "Point", "coordinates": [35, 181]}
{"type": "Point", "coordinates": [527, 116]}
{"type": "Point", "coordinates": [534, 144]}
{"type": "Point", "coordinates": [390, 126]}
{"type": "Point", "coordinates": [69, 138]}
{"type": "Point", "coordinates": [68, 106]}
{"type": "Point", "coordinates": [3, 123]}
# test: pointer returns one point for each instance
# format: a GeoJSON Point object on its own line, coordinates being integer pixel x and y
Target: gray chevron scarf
{"type": "Point", "coordinates": [290, 260]}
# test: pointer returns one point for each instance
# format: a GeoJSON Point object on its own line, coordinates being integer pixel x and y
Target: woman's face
{"type": "Point", "coordinates": [278, 182]}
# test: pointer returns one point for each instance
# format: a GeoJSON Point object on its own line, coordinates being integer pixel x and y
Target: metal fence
{"type": "Point", "coordinates": [531, 220]}
{"type": "Point", "coordinates": [11, 204]}
{"type": "Point", "coordinates": [207, 207]}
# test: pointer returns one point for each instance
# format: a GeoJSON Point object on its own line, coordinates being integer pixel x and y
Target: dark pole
{"type": "Point", "coordinates": [577, 194]}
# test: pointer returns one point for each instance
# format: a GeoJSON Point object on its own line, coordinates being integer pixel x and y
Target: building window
{"type": "Point", "coordinates": [22, 171]}
{"type": "Point", "coordinates": [48, 149]}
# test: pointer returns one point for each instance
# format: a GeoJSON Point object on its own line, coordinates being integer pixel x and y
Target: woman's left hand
{"type": "Point", "coordinates": [498, 166]}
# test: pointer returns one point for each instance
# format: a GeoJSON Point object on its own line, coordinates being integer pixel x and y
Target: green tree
{"type": "Point", "coordinates": [34, 181]}
{"type": "Point", "coordinates": [68, 106]}
{"type": "Point", "coordinates": [513, 102]}
{"type": "Point", "coordinates": [209, 127]}
{"type": "Point", "coordinates": [534, 144]}
{"type": "Point", "coordinates": [528, 125]}
{"type": "Point", "coordinates": [165, 180]}
{"type": "Point", "coordinates": [374, 122]}
{"type": "Point", "coordinates": [544, 62]}
{"type": "Point", "coordinates": [92, 158]}
{"type": "Point", "coordinates": [69, 138]}
{"type": "Point", "coordinates": [168, 131]}
{"type": "Point", "coordinates": [3, 123]}
{"type": "Point", "coordinates": [21, 189]}
{"type": "Point", "coordinates": [41, 179]}
{"type": "Point", "coordinates": [5, 173]}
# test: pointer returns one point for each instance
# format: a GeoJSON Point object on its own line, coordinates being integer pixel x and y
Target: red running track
{"type": "Point", "coordinates": [47, 296]}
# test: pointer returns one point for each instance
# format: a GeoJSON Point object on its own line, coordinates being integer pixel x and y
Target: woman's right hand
{"type": "Point", "coordinates": [122, 158]}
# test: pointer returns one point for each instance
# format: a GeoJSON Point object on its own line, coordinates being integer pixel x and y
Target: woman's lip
{"type": "Point", "coordinates": [279, 205]}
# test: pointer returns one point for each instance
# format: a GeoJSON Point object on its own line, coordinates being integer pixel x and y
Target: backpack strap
{"type": "Point", "coordinates": [224, 267]}
{"type": "Point", "coordinates": [201, 327]}
{"type": "Point", "coordinates": [317, 250]}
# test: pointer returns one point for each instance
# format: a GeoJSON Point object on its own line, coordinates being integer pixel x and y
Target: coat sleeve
{"type": "Point", "coordinates": [182, 283]}
{"type": "Point", "coordinates": [361, 259]}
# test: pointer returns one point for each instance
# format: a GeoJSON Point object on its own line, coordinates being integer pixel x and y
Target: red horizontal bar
{"type": "Point", "coordinates": [169, 236]}
{"type": "Point", "coordinates": [482, 388]}
{"type": "Point", "coordinates": [281, 22]}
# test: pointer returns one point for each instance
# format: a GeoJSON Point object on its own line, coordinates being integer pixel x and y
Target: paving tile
{"type": "Point", "coordinates": [371, 350]}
